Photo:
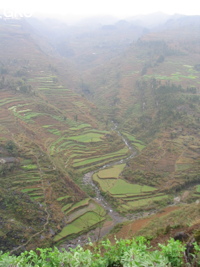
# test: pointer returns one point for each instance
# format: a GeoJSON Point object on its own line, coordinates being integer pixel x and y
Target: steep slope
{"type": "Point", "coordinates": [51, 135]}
{"type": "Point", "coordinates": [90, 42]}
{"type": "Point", "coordinates": [152, 92]}
{"type": "Point", "coordinates": [49, 138]}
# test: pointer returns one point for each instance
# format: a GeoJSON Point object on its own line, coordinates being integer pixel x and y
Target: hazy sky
{"type": "Point", "coordinates": [119, 8]}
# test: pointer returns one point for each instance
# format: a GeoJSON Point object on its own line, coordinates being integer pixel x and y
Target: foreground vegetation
{"type": "Point", "coordinates": [127, 253]}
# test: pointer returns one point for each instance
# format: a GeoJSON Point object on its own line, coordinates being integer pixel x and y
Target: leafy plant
{"type": "Point", "coordinates": [127, 253]}
{"type": "Point", "coordinates": [173, 251]}
{"type": "Point", "coordinates": [6, 260]}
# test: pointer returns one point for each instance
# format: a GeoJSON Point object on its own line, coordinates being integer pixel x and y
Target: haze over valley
{"type": "Point", "coordinates": [99, 128]}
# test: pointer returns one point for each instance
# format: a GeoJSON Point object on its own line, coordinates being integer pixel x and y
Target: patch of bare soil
{"type": "Point", "coordinates": [132, 228]}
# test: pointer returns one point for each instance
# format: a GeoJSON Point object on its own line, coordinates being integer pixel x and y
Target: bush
{"type": "Point", "coordinates": [173, 251]}
{"type": "Point", "coordinates": [125, 253]}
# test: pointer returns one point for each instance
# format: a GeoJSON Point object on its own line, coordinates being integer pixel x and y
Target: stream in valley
{"type": "Point", "coordinates": [94, 235]}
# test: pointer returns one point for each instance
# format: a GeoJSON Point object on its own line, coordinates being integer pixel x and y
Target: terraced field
{"type": "Point", "coordinates": [78, 144]}
{"type": "Point", "coordinates": [185, 73]}
{"type": "Point", "coordinates": [81, 217]}
{"type": "Point", "coordinates": [84, 150]}
{"type": "Point", "coordinates": [65, 134]}
{"type": "Point", "coordinates": [112, 172]}
{"type": "Point", "coordinates": [193, 194]}
{"type": "Point", "coordinates": [139, 145]}
{"type": "Point", "coordinates": [53, 137]}
{"type": "Point", "coordinates": [70, 143]}
{"type": "Point", "coordinates": [126, 196]}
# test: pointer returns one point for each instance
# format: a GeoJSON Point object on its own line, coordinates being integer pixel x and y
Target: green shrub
{"type": "Point", "coordinates": [173, 251]}
{"type": "Point", "coordinates": [127, 253]}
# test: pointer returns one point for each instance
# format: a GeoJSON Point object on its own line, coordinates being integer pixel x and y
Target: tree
{"type": "Point", "coordinates": [76, 117]}
{"type": "Point", "coordinates": [97, 220]}
{"type": "Point", "coordinates": [101, 214]}
{"type": "Point", "coordinates": [11, 147]}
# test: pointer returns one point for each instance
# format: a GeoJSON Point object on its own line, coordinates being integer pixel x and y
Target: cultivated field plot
{"type": "Point", "coordinates": [139, 145]}
{"type": "Point", "coordinates": [185, 73]}
{"type": "Point", "coordinates": [195, 193]}
{"type": "Point", "coordinates": [129, 196]}
{"type": "Point", "coordinates": [55, 134]}
{"type": "Point", "coordinates": [198, 188]}
{"type": "Point", "coordinates": [81, 217]}
{"type": "Point", "coordinates": [113, 172]}
{"type": "Point", "coordinates": [55, 118]}
{"type": "Point", "coordinates": [77, 144]}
